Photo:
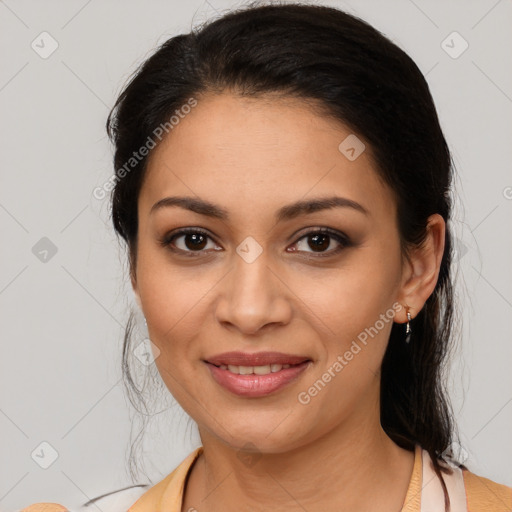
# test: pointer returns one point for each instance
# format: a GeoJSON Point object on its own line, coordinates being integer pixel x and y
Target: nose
{"type": "Point", "coordinates": [253, 296]}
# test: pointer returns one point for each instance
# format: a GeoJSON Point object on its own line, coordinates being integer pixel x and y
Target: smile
{"type": "Point", "coordinates": [263, 373]}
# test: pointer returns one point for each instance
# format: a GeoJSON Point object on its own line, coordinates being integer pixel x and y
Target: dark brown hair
{"type": "Point", "coordinates": [355, 75]}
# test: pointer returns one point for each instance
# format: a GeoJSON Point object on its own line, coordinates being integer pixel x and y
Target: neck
{"type": "Point", "coordinates": [346, 469]}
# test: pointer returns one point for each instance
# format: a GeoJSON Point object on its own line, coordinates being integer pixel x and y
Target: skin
{"type": "Point", "coordinates": [251, 157]}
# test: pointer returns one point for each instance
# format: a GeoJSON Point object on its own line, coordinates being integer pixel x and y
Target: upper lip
{"type": "Point", "coordinates": [257, 359]}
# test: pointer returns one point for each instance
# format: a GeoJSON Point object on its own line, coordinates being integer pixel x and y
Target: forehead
{"type": "Point", "coordinates": [260, 151]}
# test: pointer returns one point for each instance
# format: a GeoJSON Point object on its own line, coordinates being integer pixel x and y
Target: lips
{"type": "Point", "coordinates": [256, 375]}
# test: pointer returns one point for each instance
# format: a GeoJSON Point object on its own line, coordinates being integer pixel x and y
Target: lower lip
{"type": "Point", "coordinates": [256, 385]}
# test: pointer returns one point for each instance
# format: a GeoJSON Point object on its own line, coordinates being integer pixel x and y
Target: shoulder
{"type": "Point", "coordinates": [168, 491]}
{"type": "Point", "coordinates": [116, 501]}
{"type": "Point", "coordinates": [484, 494]}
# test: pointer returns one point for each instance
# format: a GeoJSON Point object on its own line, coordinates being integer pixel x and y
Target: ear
{"type": "Point", "coordinates": [421, 270]}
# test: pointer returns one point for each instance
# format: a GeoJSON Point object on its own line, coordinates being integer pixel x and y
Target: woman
{"type": "Point", "coordinates": [283, 187]}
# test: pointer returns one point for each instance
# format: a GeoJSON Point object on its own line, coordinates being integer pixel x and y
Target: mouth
{"type": "Point", "coordinates": [256, 375]}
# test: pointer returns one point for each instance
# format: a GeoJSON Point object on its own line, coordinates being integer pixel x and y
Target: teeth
{"type": "Point", "coordinates": [261, 370]}
{"type": "Point", "coordinates": [256, 370]}
{"type": "Point", "coordinates": [245, 370]}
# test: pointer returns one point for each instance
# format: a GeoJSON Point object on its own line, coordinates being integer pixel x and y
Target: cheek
{"type": "Point", "coordinates": [175, 304]}
{"type": "Point", "coordinates": [357, 304]}
{"type": "Point", "coordinates": [352, 298]}
{"type": "Point", "coordinates": [173, 297]}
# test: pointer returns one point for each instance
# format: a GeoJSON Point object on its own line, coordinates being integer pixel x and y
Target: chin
{"type": "Point", "coordinates": [275, 433]}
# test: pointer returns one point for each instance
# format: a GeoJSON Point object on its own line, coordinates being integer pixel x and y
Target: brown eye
{"type": "Point", "coordinates": [194, 241]}
{"type": "Point", "coordinates": [320, 241]}
{"type": "Point", "coordinates": [188, 241]}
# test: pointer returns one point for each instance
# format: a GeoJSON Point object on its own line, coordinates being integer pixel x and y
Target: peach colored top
{"type": "Point", "coordinates": [468, 491]}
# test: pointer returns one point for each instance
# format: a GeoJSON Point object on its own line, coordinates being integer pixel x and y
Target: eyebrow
{"type": "Point", "coordinates": [288, 212]}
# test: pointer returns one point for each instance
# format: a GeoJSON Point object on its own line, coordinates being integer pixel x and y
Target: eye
{"type": "Point", "coordinates": [188, 241]}
{"type": "Point", "coordinates": [320, 240]}
{"type": "Point", "coordinates": [194, 240]}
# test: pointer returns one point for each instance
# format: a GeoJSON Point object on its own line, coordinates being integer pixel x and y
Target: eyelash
{"type": "Point", "coordinates": [341, 238]}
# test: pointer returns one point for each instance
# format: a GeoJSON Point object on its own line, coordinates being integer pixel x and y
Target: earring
{"type": "Point", "coordinates": [408, 329]}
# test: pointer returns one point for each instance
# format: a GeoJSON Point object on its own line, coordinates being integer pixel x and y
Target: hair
{"type": "Point", "coordinates": [350, 72]}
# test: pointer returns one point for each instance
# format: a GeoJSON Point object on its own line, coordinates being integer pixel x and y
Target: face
{"type": "Point", "coordinates": [255, 275]}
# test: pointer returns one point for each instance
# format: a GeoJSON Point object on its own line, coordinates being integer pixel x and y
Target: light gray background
{"type": "Point", "coordinates": [62, 320]}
